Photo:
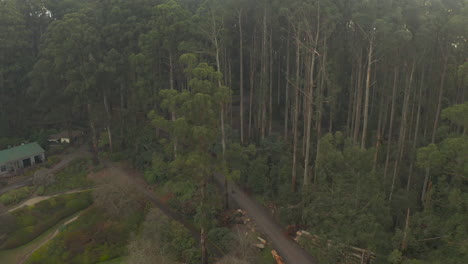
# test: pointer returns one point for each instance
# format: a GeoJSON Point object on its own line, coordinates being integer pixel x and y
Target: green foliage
{"type": "Point", "coordinates": [458, 114]}
{"type": "Point", "coordinates": [16, 196]}
{"type": "Point", "coordinates": [32, 221]}
{"type": "Point", "coordinates": [222, 237]}
{"type": "Point", "coordinates": [92, 238]}
{"type": "Point", "coordinates": [51, 161]}
{"type": "Point", "coordinates": [70, 178]}
{"type": "Point", "coordinates": [162, 238]}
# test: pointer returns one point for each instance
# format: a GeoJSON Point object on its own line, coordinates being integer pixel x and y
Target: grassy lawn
{"type": "Point", "coordinates": [27, 223]}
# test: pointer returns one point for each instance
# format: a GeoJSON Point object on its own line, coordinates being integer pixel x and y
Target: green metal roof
{"type": "Point", "coordinates": [23, 151]}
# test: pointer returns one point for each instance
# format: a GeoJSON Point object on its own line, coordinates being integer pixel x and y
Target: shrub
{"type": "Point", "coordinates": [71, 177]}
{"type": "Point", "coordinates": [32, 221]}
{"type": "Point", "coordinates": [222, 237]}
{"type": "Point", "coordinates": [92, 238]}
{"type": "Point", "coordinates": [51, 161]}
{"type": "Point", "coordinates": [16, 196]}
{"type": "Point", "coordinates": [40, 190]}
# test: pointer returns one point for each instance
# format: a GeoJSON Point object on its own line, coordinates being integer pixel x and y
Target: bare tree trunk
{"type": "Point", "coordinates": [404, 120]}
{"type": "Point", "coordinates": [366, 98]}
{"type": "Point", "coordinates": [122, 117]}
{"type": "Point", "coordinates": [296, 113]}
{"type": "Point", "coordinates": [203, 233]}
{"type": "Point", "coordinates": [171, 85]}
{"type": "Point", "coordinates": [241, 73]}
{"type": "Point", "coordinates": [416, 130]}
{"type": "Point", "coordinates": [286, 94]}
{"type": "Point", "coordinates": [350, 115]}
{"type": "Point", "coordinates": [404, 242]}
{"type": "Point", "coordinates": [320, 92]}
{"type": "Point", "coordinates": [263, 78]}
{"type": "Point", "coordinates": [379, 131]}
{"type": "Point", "coordinates": [270, 105]}
{"type": "Point", "coordinates": [390, 128]}
{"type": "Point", "coordinates": [94, 139]}
{"type": "Point", "coordinates": [436, 124]}
{"type": "Point", "coordinates": [109, 119]}
{"type": "Point", "coordinates": [357, 119]}
{"type": "Point", "coordinates": [310, 100]}
{"type": "Point", "coordinates": [252, 72]}
{"type": "Point", "coordinates": [223, 140]}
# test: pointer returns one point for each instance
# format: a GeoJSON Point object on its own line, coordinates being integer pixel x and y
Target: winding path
{"type": "Point", "coordinates": [51, 236]}
{"type": "Point", "coordinates": [290, 251]}
{"type": "Point", "coordinates": [38, 199]}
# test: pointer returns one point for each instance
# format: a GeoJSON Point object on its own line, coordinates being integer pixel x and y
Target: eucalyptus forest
{"type": "Point", "coordinates": [345, 121]}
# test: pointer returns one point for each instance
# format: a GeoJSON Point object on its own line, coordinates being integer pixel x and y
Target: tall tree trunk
{"type": "Point", "coordinates": [109, 119]}
{"type": "Point", "coordinates": [171, 85]}
{"type": "Point", "coordinates": [252, 79]}
{"type": "Point", "coordinates": [203, 233]}
{"type": "Point", "coordinates": [270, 103]}
{"type": "Point", "coordinates": [366, 98]}
{"type": "Point", "coordinates": [241, 73]}
{"type": "Point", "coordinates": [390, 128]}
{"type": "Point", "coordinates": [350, 114]}
{"type": "Point", "coordinates": [378, 140]}
{"type": "Point", "coordinates": [404, 242]}
{"type": "Point", "coordinates": [263, 79]}
{"type": "Point", "coordinates": [296, 112]}
{"type": "Point", "coordinates": [358, 100]}
{"type": "Point", "coordinates": [286, 94]}
{"type": "Point", "coordinates": [320, 93]}
{"type": "Point", "coordinates": [122, 116]}
{"type": "Point", "coordinates": [310, 100]}
{"type": "Point", "coordinates": [436, 124]}
{"type": "Point", "coordinates": [404, 121]}
{"type": "Point", "coordinates": [416, 130]}
{"type": "Point", "coordinates": [94, 140]}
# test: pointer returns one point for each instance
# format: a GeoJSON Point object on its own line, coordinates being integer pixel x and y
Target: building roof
{"type": "Point", "coordinates": [19, 152]}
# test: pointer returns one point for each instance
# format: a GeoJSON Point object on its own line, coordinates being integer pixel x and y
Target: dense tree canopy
{"type": "Point", "coordinates": [350, 115]}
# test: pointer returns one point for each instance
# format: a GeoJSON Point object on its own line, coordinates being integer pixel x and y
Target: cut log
{"type": "Point", "coordinates": [261, 240]}
{"type": "Point", "coordinates": [260, 246]}
{"type": "Point", "coordinates": [278, 258]}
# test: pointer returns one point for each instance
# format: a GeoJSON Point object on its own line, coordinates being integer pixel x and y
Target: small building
{"type": "Point", "coordinates": [17, 158]}
{"type": "Point", "coordinates": [64, 136]}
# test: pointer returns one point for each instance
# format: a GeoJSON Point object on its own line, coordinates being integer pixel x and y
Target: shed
{"type": "Point", "coordinates": [64, 136]}
{"type": "Point", "coordinates": [17, 158]}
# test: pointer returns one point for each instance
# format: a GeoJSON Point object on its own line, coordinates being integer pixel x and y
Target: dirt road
{"type": "Point", "coordinates": [288, 249]}
{"type": "Point", "coordinates": [39, 199]}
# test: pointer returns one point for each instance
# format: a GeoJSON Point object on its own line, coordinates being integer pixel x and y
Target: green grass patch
{"type": "Point", "coordinates": [70, 178]}
{"type": "Point", "coordinates": [92, 238]}
{"type": "Point", "coordinates": [16, 196]}
{"type": "Point", "coordinates": [52, 161]}
{"type": "Point", "coordinates": [27, 223]}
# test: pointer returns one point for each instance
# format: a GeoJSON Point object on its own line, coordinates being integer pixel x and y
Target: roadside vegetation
{"type": "Point", "coordinates": [71, 177]}
{"type": "Point", "coordinates": [27, 223]}
{"type": "Point", "coordinates": [16, 196]}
